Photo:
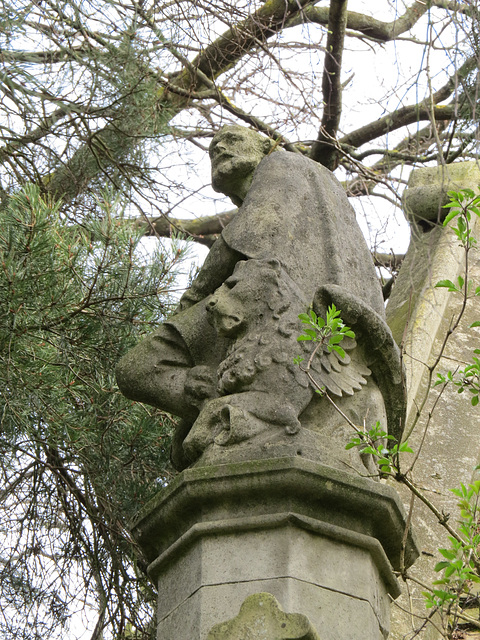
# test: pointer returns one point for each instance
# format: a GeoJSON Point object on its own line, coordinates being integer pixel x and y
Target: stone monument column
{"type": "Point", "coordinates": [420, 315]}
{"type": "Point", "coordinates": [272, 530]}
{"type": "Point", "coordinates": [325, 543]}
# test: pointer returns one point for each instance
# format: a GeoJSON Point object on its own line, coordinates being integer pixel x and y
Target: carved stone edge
{"type": "Point", "coordinates": [290, 487]}
{"type": "Point", "coordinates": [273, 521]}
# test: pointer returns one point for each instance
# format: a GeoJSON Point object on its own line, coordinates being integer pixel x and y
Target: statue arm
{"type": "Point", "coordinates": [159, 372]}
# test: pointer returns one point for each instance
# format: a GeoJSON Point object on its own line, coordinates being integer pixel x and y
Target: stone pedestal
{"type": "Point", "coordinates": [323, 542]}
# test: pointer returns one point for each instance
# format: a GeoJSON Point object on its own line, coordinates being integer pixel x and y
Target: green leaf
{"type": "Point", "coordinates": [339, 350]}
{"type": "Point", "coordinates": [369, 450]}
{"type": "Point", "coordinates": [451, 215]}
{"type": "Point", "coordinates": [446, 553]}
{"type": "Point", "coordinates": [453, 203]}
{"type": "Point", "coordinates": [451, 194]}
{"type": "Point", "coordinates": [449, 571]}
{"type": "Point", "coordinates": [447, 284]}
{"type": "Point", "coordinates": [444, 595]}
{"type": "Point", "coordinates": [475, 324]}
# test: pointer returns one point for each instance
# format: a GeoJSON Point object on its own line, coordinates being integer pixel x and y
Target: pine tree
{"type": "Point", "coordinates": [77, 459]}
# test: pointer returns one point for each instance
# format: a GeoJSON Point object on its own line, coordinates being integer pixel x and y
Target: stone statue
{"type": "Point", "coordinates": [224, 361]}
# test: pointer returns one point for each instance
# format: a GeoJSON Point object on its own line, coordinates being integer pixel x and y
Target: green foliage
{"type": "Point", "coordinates": [329, 332]}
{"type": "Point", "coordinates": [77, 458]}
{"type": "Point", "coordinates": [462, 205]}
{"type": "Point", "coordinates": [467, 379]}
{"type": "Point", "coordinates": [374, 442]}
{"type": "Point", "coordinates": [461, 564]}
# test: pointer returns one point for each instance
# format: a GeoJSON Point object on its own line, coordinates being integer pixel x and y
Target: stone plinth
{"type": "Point", "coordinates": [321, 541]}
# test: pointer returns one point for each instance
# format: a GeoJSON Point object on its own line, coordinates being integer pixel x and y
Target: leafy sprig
{"type": "Point", "coordinates": [329, 332]}
{"type": "Point", "coordinates": [374, 441]}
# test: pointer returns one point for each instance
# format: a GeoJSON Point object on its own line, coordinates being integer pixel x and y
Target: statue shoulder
{"type": "Point", "coordinates": [288, 167]}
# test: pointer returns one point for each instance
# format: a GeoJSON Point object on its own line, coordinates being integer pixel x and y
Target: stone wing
{"type": "Point", "coordinates": [340, 376]}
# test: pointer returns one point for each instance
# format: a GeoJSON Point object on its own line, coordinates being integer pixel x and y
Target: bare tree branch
{"type": "Point", "coordinates": [412, 113]}
{"type": "Point", "coordinates": [43, 57]}
{"type": "Point", "coordinates": [106, 147]}
{"type": "Point", "coordinates": [376, 29]}
{"type": "Point", "coordinates": [322, 150]}
{"type": "Point", "coordinates": [97, 155]}
{"type": "Point", "coordinates": [204, 230]}
{"type": "Point", "coordinates": [367, 25]}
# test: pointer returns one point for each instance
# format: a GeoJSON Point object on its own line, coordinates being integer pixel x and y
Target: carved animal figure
{"type": "Point", "coordinates": [261, 392]}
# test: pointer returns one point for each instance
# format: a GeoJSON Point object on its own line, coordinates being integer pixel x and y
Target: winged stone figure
{"type": "Point", "coordinates": [223, 362]}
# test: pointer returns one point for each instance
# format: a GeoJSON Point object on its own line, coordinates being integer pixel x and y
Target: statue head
{"type": "Point", "coordinates": [235, 153]}
{"type": "Point", "coordinates": [256, 291]}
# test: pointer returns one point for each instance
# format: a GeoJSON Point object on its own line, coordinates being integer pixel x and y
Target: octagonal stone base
{"type": "Point", "coordinates": [321, 541]}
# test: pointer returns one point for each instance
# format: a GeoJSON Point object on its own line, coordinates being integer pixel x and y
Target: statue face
{"type": "Point", "coordinates": [244, 298]}
{"type": "Point", "coordinates": [235, 153]}
{"type": "Point", "coordinates": [229, 305]}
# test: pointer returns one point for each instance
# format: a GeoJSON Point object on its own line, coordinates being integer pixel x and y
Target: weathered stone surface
{"type": "Point", "coordinates": [268, 487]}
{"type": "Point", "coordinates": [260, 618]}
{"type": "Point", "coordinates": [420, 315]}
{"type": "Point", "coordinates": [340, 613]}
{"type": "Point", "coordinates": [319, 540]}
{"type": "Point", "coordinates": [416, 309]}
{"type": "Point", "coordinates": [427, 190]}
{"type": "Point", "coordinates": [257, 512]}
{"type": "Point", "coordinates": [224, 361]}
